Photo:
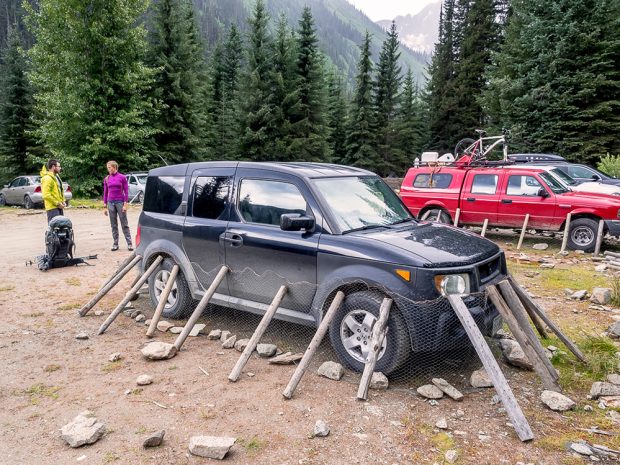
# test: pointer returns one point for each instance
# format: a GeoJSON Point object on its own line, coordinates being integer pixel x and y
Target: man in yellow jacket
{"type": "Point", "coordinates": [51, 189]}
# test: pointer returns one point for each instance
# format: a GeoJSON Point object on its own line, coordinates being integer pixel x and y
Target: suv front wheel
{"type": "Point", "coordinates": [582, 234]}
{"type": "Point", "coordinates": [180, 302]}
{"type": "Point", "coordinates": [351, 330]}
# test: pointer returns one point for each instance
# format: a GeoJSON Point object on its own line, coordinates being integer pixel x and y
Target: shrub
{"type": "Point", "coordinates": [610, 164]}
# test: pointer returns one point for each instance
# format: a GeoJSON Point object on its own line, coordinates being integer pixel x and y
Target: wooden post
{"type": "Point", "coordinates": [529, 303]}
{"type": "Point", "coordinates": [484, 227]}
{"type": "Point", "coordinates": [119, 308]}
{"type": "Point", "coordinates": [457, 215]}
{"type": "Point", "coordinates": [525, 222]}
{"type": "Point", "coordinates": [515, 414]}
{"type": "Point", "coordinates": [607, 253]}
{"type": "Point", "coordinates": [119, 269]}
{"type": "Point", "coordinates": [566, 232]}
{"type": "Point", "coordinates": [426, 213]}
{"type": "Point", "coordinates": [163, 299]}
{"type": "Point", "coordinates": [533, 316]}
{"type": "Point", "coordinates": [200, 307]}
{"type": "Point", "coordinates": [376, 341]}
{"type": "Point", "coordinates": [599, 238]}
{"type": "Point", "coordinates": [258, 333]}
{"type": "Point", "coordinates": [314, 345]}
{"type": "Point", "coordinates": [105, 289]}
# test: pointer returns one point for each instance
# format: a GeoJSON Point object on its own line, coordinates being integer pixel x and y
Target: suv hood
{"type": "Point", "coordinates": [439, 245]}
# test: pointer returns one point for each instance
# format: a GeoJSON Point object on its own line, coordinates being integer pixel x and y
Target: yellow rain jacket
{"type": "Point", "coordinates": [51, 191]}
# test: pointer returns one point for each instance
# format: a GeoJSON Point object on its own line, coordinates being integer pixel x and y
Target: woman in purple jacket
{"type": "Point", "coordinates": [115, 198]}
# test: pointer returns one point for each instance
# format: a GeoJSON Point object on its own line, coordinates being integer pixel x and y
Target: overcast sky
{"type": "Point", "coordinates": [389, 9]}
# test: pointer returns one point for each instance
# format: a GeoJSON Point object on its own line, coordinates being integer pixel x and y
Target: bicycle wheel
{"type": "Point", "coordinates": [466, 146]}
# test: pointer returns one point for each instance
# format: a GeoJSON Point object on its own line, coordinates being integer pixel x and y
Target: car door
{"type": "Point", "coordinates": [520, 196]}
{"type": "Point", "coordinates": [480, 198]}
{"type": "Point", "coordinates": [15, 192]}
{"type": "Point", "coordinates": [206, 221]}
{"type": "Point", "coordinates": [261, 256]}
{"type": "Point", "coordinates": [132, 184]}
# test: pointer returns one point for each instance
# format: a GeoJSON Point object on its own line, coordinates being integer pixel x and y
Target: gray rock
{"type": "Point", "coordinates": [480, 379]}
{"type": "Point", "coordinates": [451, 455]}
{"type": "Point", "coordinates": [581, 448]}
{"type": "Point", "coordinates": [613, 378]}
{"type": "Point", "coordinates": [514, 354]}
{"type": "Point", "coordinates": [604, 389]}
{"type": "Point", "coordinates": [225, 335]}
{"type": "Point", "coordinates": [81, 336]}
{"type": "Point", "coordinates": [600, 268]}
{"type": "Point", "coordinates": [540, 246]}
{"type": "Point", "coordinates": [448, 389]}
{"type": "Point", "coordinates": [176, 330]}
{"type": "Point", "coordinates": [547, 266]}
{"type": "Point", "coordinates": [331, 370]}
{"type": "Point", "coordinates": [614, 330]}
{"type": "Point", "coordinates": [430, 391]}
{"type": "Point", "coordinates": [551, 348]}
{"type": "Point", "coordinates": [158, 350]}
{"type": "Point", "coordinates": [321, 429]}
{"type": "Point", "coordinates": [164, 326]}
{"type": "Point", "coordinates": [442, 423]}
{"type": "Point", "coordinates": [601, 295]}
{"type": "Point", "coordinates": [266, 350]}
{"type": "Point", "coordinates": [135, 313]}
{"type": "Point", "coordinates": [241, 344]}
{"type": "Point", "coordinates": [197, 329]}
{"type": "Point", "coordinates": [211, 447]}
{"type": "Point", "coordinates": [140, 318]}
{"type": "Point", "coordinates": [378, 381]}
{"type": "Point", "coordinates": [230, 342]}
{"type": "Point", "coordinates": [154, 439]}
{"type": "Point", "coordinates": [98, 312]}
{"type": "Point", "coordinates": [84, 429]}
{"type": "Point", "coordinates": [579, 295]}
{"type": "Point", "coordinates": [286, 358]}
{"type": "Point", "coordinates": [214, 334]}
{"type": "Point", "coordinates": [556, 401]}
{"type": "Point", "coordinates": [144, 380]}
{"type": "Point", "coordinates": [115, 357]}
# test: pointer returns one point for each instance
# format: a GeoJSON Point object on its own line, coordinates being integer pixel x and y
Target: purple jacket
{"type": "Point", "coordinates": [115, 188]}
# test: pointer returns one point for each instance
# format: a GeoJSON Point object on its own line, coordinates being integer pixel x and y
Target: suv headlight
{"type": "Point", "coordinates": [453, 284]}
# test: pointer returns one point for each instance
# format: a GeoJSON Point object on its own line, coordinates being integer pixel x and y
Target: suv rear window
{"type": "Point", "coordinates": [430, 180]}
{"type": "Point", "coordinates": [210, 197]}
{"type": "Point", "coordinates": [163, 194]}
{"type": "Point", "coordinates": [264, 201]}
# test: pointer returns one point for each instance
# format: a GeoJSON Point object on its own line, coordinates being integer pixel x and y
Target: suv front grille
{"type": "Point", "coordinates": [488, 270]}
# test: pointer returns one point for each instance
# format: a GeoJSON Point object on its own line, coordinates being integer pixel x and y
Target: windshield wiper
{"type": "Point", "coordinates": [406, 220]}
{"type": "Point", "coordinates": [363, 228]}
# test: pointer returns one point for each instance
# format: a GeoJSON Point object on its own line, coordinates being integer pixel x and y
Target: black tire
{"type": "Point", "coordinates": [67, 202]}
{"type": "Point", "coordinates": [28, 203]}
{"type": "Point", "coordinates": [140, 197]}
{"type": "Point", "coordinates": [437, 215]}
{"type": "Point", "coordinates": [461, 145]}
{"type": "Point", "coordinates": [582, 234]}
{"type": "Point", "coordinates": [362, 309]}
{"type": "Point", "coordinates": [180, 297]}
{"type": "Point", "coordinates": [2, 200]}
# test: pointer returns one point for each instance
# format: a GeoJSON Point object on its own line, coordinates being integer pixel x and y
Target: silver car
{"type": "Point", "coordinates": [26, 191]}
{"type": "Point", "coordinates": [137, 183]}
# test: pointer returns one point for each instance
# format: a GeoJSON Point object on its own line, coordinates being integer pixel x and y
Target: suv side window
{"type": "Point", "coordinates": [210, 196]}
{"type": "Point", "coordinates": [163, 194]}
{"type": "Point", "coordinates": [430, 180]}
{"type": "Point", "coordinates": [580, 172]}
{"type": "Point", "coordinates": [523, 185]}
{"type": "Point", "coordinates": [264, 201]}
{"type": "Point", "coordinates": [484, 184]}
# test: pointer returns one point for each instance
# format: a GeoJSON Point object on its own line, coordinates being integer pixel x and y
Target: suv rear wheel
{"type": "Point", "coordinates": [351, 330]}
{"type": "Point", "coordinates": [180, 302]}
{"type": "Point", "coordinates": [437, 215]}
{"type": "Point", "coordinates": [582, 234]}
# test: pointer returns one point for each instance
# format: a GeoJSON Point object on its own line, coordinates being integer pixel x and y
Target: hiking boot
{"type": "Point", "coordinates": [114, 248]}
{"type": "Point", "coordinates": [130, 247]}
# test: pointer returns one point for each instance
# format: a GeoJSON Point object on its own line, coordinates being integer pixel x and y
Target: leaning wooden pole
{"type": "Point", "coordinates": [376, 341]}
{"type": "Point", "coordinates": [515, 414]}
{"type": "Point", "coordinates": [457, 216]}
{"type": "Point", "coordinates": [200, 307]}
{"type": "Point", "coordinates": [163, 300]}
{"type": "Point", "coordinates": [313, 346]}
{"type": "Point", "coordinates": [540, 327]}
{"type": "Point", "coordinates": [113, 282]}
{"type": "Point", "coordinates": [599, 238]}
{"type": "Point", "coordinates": [484, 227]}
{"type": "Point", "coordinates": [566, 232]}
{"type": "Point", "coordinates": [119, 308]}
{"type": "Point", "coordinates": [522, 236]}
{"type": "Point", "coordinates": [258, 333]}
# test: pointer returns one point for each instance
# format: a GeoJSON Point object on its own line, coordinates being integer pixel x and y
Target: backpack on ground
{"type": "Point", "coordinates": [59, 245]}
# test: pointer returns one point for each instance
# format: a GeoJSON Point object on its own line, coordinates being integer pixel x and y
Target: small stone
{"type": "Point", "coordinates": [134, 314]}
{"type": "Point", "coordinates": [266, 350]}
{"type": "Point", "coordinates": [81, 336]}
{"type": "Point", "coordinates": [547, 266]}
{"type": "Point", "coordinates": [164, 326]}
{"type": "Point", "coordinates": [579, 295]}
{"type": "Point", "coordinates": [176, 330]}
{"type": "Point", "coordinates": [196, 330]}
{"type": "Point", "coordinates": [159, 350]}
{"type": "Point", "coordinates": [614, 330]}
{"type": "Point", "coordinates": [241, 344]}
{"type": "Point", "coordinates": [321, 429]}
{"type": "Point", "coordinates": [286, 358]}
{"type": "Point", "coordinates": [331, 370]}
{"type": "Point", "coordinates": [613, 378]}
{"type": "Point", "coordinates": [144, 380]}
{"type": "Point", "coordinates": [430, 391]}
{"type": "Point", "coordinates": [128, 305]}
{"type": "Point", "coordinates": [147, 322]}
{"type": "Point", "coordinates": [514, 354]}
{"type": "Point", "coordinates": [214, 334]}
{"type": "Point", "coordinates": [140, 318]}
{"type": "Point", "coordinates": [451, 455]}
{"type": "Point", "coordinates": [378, 381]}
{"type": "Point", "coordinates": [552, 348]}
{"type": "Point", "coordinates": [433, 403]}
{"type": "Point", "coordinates": [587, 408]}
{"type": "Point", "coordinates": [480, 379]}
{"type": "Point", "coordinates": [225, 335]}
{"type": "Point", "coordinates": [229, 343]}
{"type": "Point", "coordinates": [84, 429]}
{"type": "Point", "coordinates": [556, 401]}
{"type": "Point", "coordinates": [600, 268]}
{"type": "Point", "coordinates": [98, 312]}
{"type": "Point", "coordinates": [581, 448]}
{"type": "Point", "coordinates": [601, 295]}
{"type": "Point", "coordinates": [211, 447]}
{"type": "Point", "coordinates": [448, 389]}
{"type": "Point", "coordinates": [442, 423]}
{"type": "Point", "coordinates": [115, 357]}
{"type": "Point", "coordinates": [540, 246]}
{"type": "Point", "coordinates": [250, 374]}
{"type": "Point", "coordinates": [154, 439]}
{"type": "Point", "coordinates": [604, 389]}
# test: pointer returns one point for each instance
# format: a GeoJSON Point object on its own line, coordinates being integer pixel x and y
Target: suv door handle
{"type": "Point", "coordinates": [235, 240]}
{"type": "Point", "coordinates": [506, 201]}
{"type": "Point", "coordinates": [471, 199]}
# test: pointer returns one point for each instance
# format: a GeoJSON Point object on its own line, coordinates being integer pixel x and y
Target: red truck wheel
{"type": "Point", "coordinates": [582, 234]}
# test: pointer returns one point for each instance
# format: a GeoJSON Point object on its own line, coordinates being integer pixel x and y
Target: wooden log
{"type": "Point", "coordinates": [457, 215]}
{"type": "Point", "coordinates": [613, 266]}
{"type": "Point", "coordinates": [313, 346]}
{"type": "Point", "coordinates": [163, 299]}
{"type": "Point", "coordinates": [258, 333]}
{"type": "Point", "coordinates": [522, 236]}
{"type": "Point", "coordinates": [599, 237]}
{"type": "Point", "coordinates": [484, 227]}
{"type": "Point", "coordinates": [534, 307]}
{"type": "Point", "coordinates": [200, 307]}
{"type": "Point", "coordinates": [119, 308]}
{"type": "Point", "coordinates": [544, 374]}
{"type": "Point", "coordinates": [426, 213]}
{"type": "Point", "coordinates": [520, 315]}
{"type": "Point", "coordinates": [120, 267]}
{"type": "Point", "coordinates": [515, 414]}
{"type": "Point", "coordinates": [611, 261]}
{"type": "Point", "coordinates": [376, 341]}
{"type": "Point", "coordinates": [105, 289]}
{"type": "Point", "coordinates": [566, 231]}
{"type": "Point", "coordinates": [607, 253]}
{"type": "Point", "coordinates": [540, 327]}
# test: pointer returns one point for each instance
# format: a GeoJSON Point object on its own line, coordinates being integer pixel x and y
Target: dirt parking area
{"type": "Point", "coordinates": [47, 377]}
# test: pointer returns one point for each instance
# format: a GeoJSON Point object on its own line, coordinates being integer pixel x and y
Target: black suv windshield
{"type": "Point", "coordinates": [564, 177]}
{"type": "Point", "coordinates": [553, 183]}
{"type": "Point", "coordinates": [361, 202]}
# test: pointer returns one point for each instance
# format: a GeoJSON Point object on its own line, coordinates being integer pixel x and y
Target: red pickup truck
{"type": "Point", "coordinates": [504, 195]}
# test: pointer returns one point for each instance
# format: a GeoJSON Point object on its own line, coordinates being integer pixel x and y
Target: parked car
{"type": "Point", "coordinates": [137, 183]}
{"type": "Point", "coordinates": [535, 157]}
{"type": "Point", "coordinates": [585, 173]}
{"type": "Point", "coordinates": [317, 229]}
{"type": "Point", "coordinates": [504, 195]}
{"type": "Point", "coordinates": [26, 191]}
{"type": "Point", "coordinates": [577, 186]}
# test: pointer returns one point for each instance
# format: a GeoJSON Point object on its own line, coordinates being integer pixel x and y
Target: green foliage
{"type": "Point", "coordinates": [337, 108]}
{"type": "Point", "coordinates": [410, 125]}
{"type": "Point", "coordinates": [610, 164]}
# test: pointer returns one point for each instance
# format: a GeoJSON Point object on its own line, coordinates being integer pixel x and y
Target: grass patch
{"type": "Point", "coordinates": [72, 306]}
{"type": "Point", "coordinates": [615, 291]}
{"type": "Point", "coordinates": [35, 314]}
{"type": "Point", "coordinates": [112, 366]}
{"type": "Point", "coordinates": [141, 429]}
{"type": "Point", "coordinates": [6, 288]}
{"type": "Point", "coordinates": [86, 203]}
{"type": "Point", "coordinates": [252, 445]}
{"type": "Point", "coordinates": [73, 281]}
{"type": "Point", "coordinates": [553, 282]}
{"type": "Point", "coordinates": [110, 457]}
{"type": "Point", "coordinates": [40, 390]}
{"type": "Point", "coordinates": [51, 368]}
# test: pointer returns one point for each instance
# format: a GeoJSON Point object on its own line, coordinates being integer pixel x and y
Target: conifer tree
{"type": "Point", "coordinates": [410, 125]}
{"type": "Point", "coordinates": [336, 117]}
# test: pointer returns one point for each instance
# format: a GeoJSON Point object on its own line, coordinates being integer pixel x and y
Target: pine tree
{"type": "Point", "coordinates": [90, 85]}
{"type": "Point", "coordinates": [336, 117]}
{"type": "Point", "coordinates": [360, 139]}
{"type": "Point", "coordinates": [410, 125]}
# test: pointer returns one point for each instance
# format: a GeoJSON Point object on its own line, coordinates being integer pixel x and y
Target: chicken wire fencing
{"type": "Point", "coordinates": [424, 339]}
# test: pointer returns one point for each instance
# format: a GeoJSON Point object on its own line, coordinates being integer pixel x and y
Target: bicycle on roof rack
{"type": "Point", "coordinates": [472, 152]}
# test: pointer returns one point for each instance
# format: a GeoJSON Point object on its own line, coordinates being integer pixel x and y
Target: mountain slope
{"type": "Point", "coordinates": [418, 32]}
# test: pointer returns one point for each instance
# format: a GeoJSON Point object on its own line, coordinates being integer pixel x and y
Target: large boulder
{"type": "Point", "coordinates": [331, 370]}
{"type": "Point", "coordinates": [84, 429]}
{"type": "Point", "coordinates": [601, 295]}
{"type": "Point", "coordinates": [430, 391]}
{"type": "Point", "coordinates": [556, 401]}
{"type": "Point", "coordinates": [211, 447]}
{"type": "Point", "coordinates": [480, 379]}
{"type": "Point", "coordinates": [600, 388]}
{"type": "Point", "coordinates": [614, 330]}
{"type": "Point", "coordinates": [159, 350]}
{"type": "Point", "coordinates": [514, 354]}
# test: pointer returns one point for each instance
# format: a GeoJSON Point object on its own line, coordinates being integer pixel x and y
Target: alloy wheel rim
{"type": "Point", "coordinates": [356, 334]}
{"type": "Point", "coordinates": [582, 236]}
{"type": "Point", "coordinates": [160, 283]}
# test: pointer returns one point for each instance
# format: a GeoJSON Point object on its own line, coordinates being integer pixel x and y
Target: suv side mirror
{"type": "Point", "coordinates": [542, 192]}
{"type": "Point", "coordinates": [596, 177]}
{"type": "Point", "coordinates": [295, 222]}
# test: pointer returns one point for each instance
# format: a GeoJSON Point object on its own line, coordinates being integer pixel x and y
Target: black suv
{"type": "Point", "coordinates": [315, 228]}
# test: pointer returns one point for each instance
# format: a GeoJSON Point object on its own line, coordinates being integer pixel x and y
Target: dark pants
{"type": "Point", "coordinates": [54, 212]}
{"type": "Point", "coordinates": [115, 209]}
